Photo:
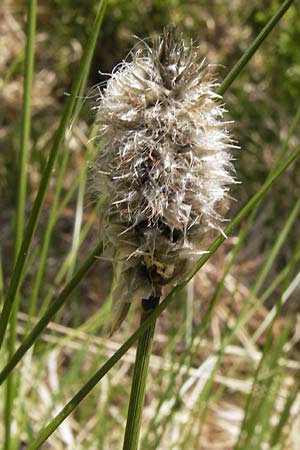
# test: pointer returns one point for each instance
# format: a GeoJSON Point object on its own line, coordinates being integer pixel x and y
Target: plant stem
{"type": "Point", "coordinates": [141, 365]}
{"type": "Point", "coordinates": [25, 124]}
{"type": "Point", "coordinates": [52, 310]}
{"type": "Point", "coordinates": [21, 204]}
{"type": "Point", "coordinates": [38, 203]}
{"type": "Point", "coordinates": [247, 55]}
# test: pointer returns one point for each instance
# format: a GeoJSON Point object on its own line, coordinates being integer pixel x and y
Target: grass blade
{"type": "Point", "coordinates": [21, 200]}
{"type": "Point", "coordinates": [253, 47]}
{"type": "Point", "coordinates": [251, 410]}
{"type": "Point", "coordinates": [26, 121]}
{"type": "Point", "coordinates": [36, 210]}
{"type": "Point", "coordinates": [137, 396]}
{"type": "Point", "coordinates": [284, 416]}
{"type": "Point", "coordinates": [55, 306]}
{"type": "Point", "coordinates": [1, 280]}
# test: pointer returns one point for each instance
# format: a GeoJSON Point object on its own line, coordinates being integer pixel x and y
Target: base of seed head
{"type": "Point", "coordinates": [163, 169]}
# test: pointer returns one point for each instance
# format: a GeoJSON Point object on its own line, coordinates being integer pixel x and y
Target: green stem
{"type": "Point", "coordinates": [37, 206]}
{"type": "Point", "coordinates": [55, 210]}
{"type": "Point", "coordinates": [55, 306]}
{"type": "Point", "coordinates": [238, 67]}
{"type": "Point", "coordinates": [44, 252]}
{"type": "Point", "coordinates": [1, 280]}
{"type": "Point", "coordinates": [21, 203]}
{"type": "Point", "coordinates": [64, 267]}
{"type": "Point", "coordinates": [137, 395]}
{"type": "Point", "coordinates": [25, 124]}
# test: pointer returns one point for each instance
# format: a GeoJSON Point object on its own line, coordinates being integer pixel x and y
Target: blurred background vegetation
{"type": "Point", "coordinates": [263, 102]}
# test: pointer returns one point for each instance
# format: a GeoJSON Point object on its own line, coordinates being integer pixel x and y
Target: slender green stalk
{"type": "Point", "coordinates": [189, 315]}
{"type": "Point", "coordinates": [204, 398]}
{"type": "Point", "coordinates": [285, 413]}
{"type": "Point", "coordinates": [64, 267]}
{"type": "Point", "coordinates": [250, 415]}
{"type": "Point", "coordinates": [11, 70]}
{"type": "Point", "coordinates": [243, 314]}
{"type": "Point", "coordinates": [36, 210]}
{"type": "Point", "coordinates": [91, 383]}
{"type": "Point", "coordinates": [55, 306]}
{"type": "Point", "coordinates": [246, 311]}
{"type": "Point", "coordinates": [54, 215]}
{"type": "Point", "coordinates": [246, 227]}
{"type": "Point", "coordinates": [47, 237]}
{"type": "Point", "coordinates": [238, 67]}
{"type": "Point", "coordinates": [21, 203]}
{"type": "Point", "coordinates": [25, 123]}
{"type": "Point", "coordinates": [1, 280]}
{"type": "Point", "coordinates": [43, 250]}
{"type": "Point", "coordinates": [137, 395]}
{"type": "Point", "coordinates": [156, 421]}
{"type": "Point", "coordinates": [247, 208]}
{"type": "Point", "coordinates": [81, 192]}
{"type": "Point", "coordinates": [271, 313]}
{"type": "Point", "coordinates": [77, 222]}
{"type": "Point", "coordinates": [90, 155]}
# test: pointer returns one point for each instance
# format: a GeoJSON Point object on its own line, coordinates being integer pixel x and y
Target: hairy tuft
{"type": "Point", "coordinates": [164, 166]}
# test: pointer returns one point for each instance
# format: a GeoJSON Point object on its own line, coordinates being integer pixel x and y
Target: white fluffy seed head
{"type": "Point", "coordinates": [163, 168]}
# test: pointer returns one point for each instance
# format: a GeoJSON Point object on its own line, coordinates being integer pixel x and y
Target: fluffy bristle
{"type": "Point", "coordinates": [164, 164]}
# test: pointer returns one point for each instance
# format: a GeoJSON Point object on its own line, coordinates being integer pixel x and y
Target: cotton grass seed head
{"type": "Point", "coordinates": [163, 168]}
